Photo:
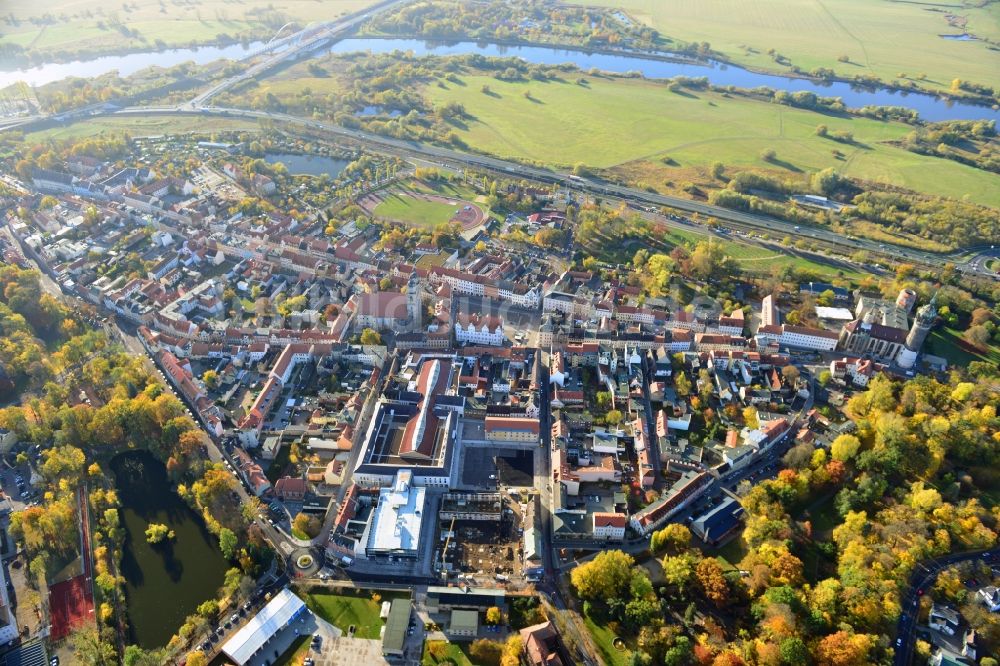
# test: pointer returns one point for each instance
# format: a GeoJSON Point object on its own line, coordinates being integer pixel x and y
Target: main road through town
{"type": "Point", "coordinates": [923, 577]}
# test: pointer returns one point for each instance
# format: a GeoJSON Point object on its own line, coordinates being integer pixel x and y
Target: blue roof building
{"type": "Point", "coordinates": [719, 523]}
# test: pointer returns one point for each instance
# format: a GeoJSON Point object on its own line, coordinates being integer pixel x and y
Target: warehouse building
{"type": "Point", "coordinates": [254, 636]}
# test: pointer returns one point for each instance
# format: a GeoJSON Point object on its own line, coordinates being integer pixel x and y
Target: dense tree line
{"type": "Point", "coordinates": [532, 21]}
{"type": "Point", "coordinates": [905, 488]}
{"type": "Point", "coordinates": [968, 142]}
{"type": "Point", "coordinates": [130, 408]}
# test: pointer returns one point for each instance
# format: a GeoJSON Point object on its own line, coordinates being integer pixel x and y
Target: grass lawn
{"type": "Point", "coordinates": [731, 554]}
{"type": "Point", "coordinates": [444, 188]}
{"type": "Point", "coordinates": [603, 638]}
{"type": "Point", "coordinates": [416, 212]}
{"type": "Point", "coordinates": [824, 516]}
{"type": "Point", "coordinates": [611, 122]}
{"type": "Point", "coordinates": [452, 653]}
{"type": "Point", "coordinates": [887, 39]}
{"type": "Point", "coordinates": [86, 26]}
{"type": "Point", "coordinates": [343, 610]}
{"type": "Point", "coordinates": [944, 342]}
{"type": "Point", "coordinates": [141, 126]}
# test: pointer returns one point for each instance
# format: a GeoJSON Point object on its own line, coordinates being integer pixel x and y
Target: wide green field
{"type": "Point", "coordinates": [89, 26]}
{"type": "Point", "coordinates": [609, 122]}
{"type": "Point", "coordinates": [881, 37]}
{"type": "Point", "coordinates": [416, 212]}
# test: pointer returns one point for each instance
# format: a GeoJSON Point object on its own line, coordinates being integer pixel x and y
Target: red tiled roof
{"type": "Point", "coordinates": [602, 519]}
{"type": "Point", "coordinates": [496, 423]}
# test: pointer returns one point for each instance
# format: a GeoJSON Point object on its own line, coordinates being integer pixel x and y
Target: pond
{"type": "Point", "coordinates": [163, 583]}
{"type": "Point", "coordinates": [930, 107]}
{"type": "Point", "coordinates": [125, 64]}
{"type": "Point", "coordinates": [312, 165]}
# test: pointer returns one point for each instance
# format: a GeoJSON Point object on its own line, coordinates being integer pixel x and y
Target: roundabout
{"type": "Point", "coordinates": [304, 563]}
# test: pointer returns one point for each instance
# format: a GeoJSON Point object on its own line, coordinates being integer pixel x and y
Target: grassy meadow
{"type": "Point", "coordinates": [47, 28]}
{"type": "Point", "coordinates": [891, 40]}
{"type": "Point", "coordinates": [415, 212]}
{"type": "Point", "coordinates": [609, 122]}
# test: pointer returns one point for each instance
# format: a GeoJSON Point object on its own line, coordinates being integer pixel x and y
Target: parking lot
{"type": "Point", "coordinates": [486, 467]}
{"type": "Point", "coordinates": [479, 469]}
{"type": "Point", "coordinates": [16, 485]}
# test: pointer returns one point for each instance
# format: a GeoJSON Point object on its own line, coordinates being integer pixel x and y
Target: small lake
{"type": "Point", "coordinates": [125, 64]}
{"type": "Point", "coordinates": [929, 107]}
{"type": "Point", "coordinates": [164, 584]}
{"type": "Point", "coordinates": [312, 165]}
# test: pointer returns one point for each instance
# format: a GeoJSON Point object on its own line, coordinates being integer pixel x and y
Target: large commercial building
{"type": "Point", "coordinates": [283, 609]}
{"type": "Point", "coordinates": [414, 425]}
{"type": "Point", "coordinates": [395, 524]}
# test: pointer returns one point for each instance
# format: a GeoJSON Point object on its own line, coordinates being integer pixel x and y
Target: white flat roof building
{"type": "Point", "coordinates": [396, 521]}
{"type": "Point", "coordinates": [838, 314]}
{"type": "Point", "coordinates": [279, 612]}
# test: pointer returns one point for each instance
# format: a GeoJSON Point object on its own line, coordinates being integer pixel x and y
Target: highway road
{"type": "Point", "coordinates": [969, 260]}
{"type": "Point", "coordinates": [318, 38]}
{"type": "Point", "coordinates": [922, 578]}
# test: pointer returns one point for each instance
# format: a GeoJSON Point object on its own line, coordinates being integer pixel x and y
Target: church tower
{"type": "Point", "coordinates": [921, 328]}
{"type": "Point", "coordinates": [414, 306]}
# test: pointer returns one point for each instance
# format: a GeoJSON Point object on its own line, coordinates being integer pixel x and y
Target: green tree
{"type": "Point", "coordinates": [228, 543]}
{"type": "Point", "coordinates": [512, 651]}
{"type": "Point", "coordinates": [845, 447]}
{"type": "Point", "coordinates": [211, 379]}
{"type": "Point", "coordinates": [494, 615]}
{"type": "Point", "coordinates": [794, 652]}
{"type": "Point", "coordinates": [208, 609]}
{"type": "Point", "coordinates": [605, 577]}
{"type": "Point", "coordinates": [674, 536]}
{"type": "Point", "coordinates": [682, 385]}
{"type": "Point", "coordinates": [158, 533]}
{"type": "Point", "coordinates": [486, 652]}
{"type": "Point", "coordinates": [92, 649]}
{"type": "Point", "coordinates": [370, 337]}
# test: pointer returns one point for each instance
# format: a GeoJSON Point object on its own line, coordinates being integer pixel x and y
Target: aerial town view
{"type": "Point", "coordinates": [499, 332]}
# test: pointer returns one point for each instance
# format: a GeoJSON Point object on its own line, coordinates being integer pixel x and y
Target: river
{"type": "Point", "coordinates": [163, 584]}
{"type": "Point", "coordinates": [929, 107]}
{"type": "Point", "coordinates": [125, 64]}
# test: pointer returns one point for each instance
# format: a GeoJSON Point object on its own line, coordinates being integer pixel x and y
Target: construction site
{"type": "Point", "coordinates": [480, 536]}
